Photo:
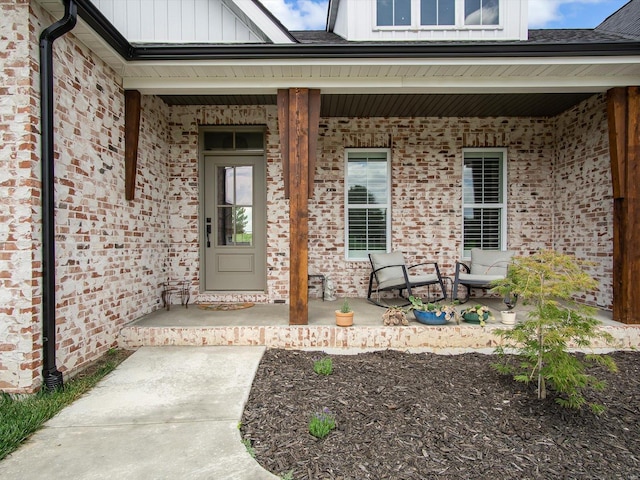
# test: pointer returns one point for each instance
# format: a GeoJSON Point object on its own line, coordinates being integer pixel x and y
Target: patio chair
{"type": "Point", "coordinates": [390, 272]}
{"type": "Point", "coordinates": [485, 267]}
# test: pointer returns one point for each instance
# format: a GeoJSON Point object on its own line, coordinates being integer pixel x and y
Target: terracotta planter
{"type": "Point", "coordinates": [344, 319]}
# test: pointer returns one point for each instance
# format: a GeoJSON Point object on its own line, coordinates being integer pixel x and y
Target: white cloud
{"type": "Point", "coordinates": [299, 14]}
{"type": "Point", "coordinates": [543, 12]}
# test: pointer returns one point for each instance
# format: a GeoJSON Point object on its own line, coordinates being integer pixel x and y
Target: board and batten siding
{"type": "Point", "coordinates": [179, 21]}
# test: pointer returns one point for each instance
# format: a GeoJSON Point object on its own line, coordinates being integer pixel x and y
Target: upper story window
{"type": "Point", "coordinates": [437, 12]}
{"type": "Point", "coordinates": [398, 13]}
{"type": "Point", "coordinates": [481, 12]}
{"type": "Point", "coordinates": [393, 13]}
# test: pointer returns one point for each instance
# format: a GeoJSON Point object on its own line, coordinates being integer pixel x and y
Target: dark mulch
{"type": "Point", "coordinates": [424, 416]}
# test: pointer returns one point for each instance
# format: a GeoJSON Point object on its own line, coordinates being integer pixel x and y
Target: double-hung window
{"type": "Point", "coordinates": [484, 199]}
{"type": "Point", "coordinates": [367, 202]}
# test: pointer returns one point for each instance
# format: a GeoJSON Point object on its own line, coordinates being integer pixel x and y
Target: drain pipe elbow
{"type": "Point", "coordinates": [52, 377]}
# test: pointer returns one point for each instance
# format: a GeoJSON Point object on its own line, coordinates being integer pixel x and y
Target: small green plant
{"type": "Point", "coordinates": [322, 423]}
{"type": "Point", "coordinates": [287, 475]}
{"type": "Point", "coordinates": [324, 366]}
{"type": "Point", "coordinates": [345, 308]}
{"type": "Point", "coordinates": [549, 281]}
{"type": "Point", "coordinates": [250, 450]}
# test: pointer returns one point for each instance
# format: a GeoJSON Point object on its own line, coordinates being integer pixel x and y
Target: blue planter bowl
{"type": "Point", "coordinates": [430, 318]}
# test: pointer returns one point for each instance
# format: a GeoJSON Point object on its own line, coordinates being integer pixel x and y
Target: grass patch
{"type": "Point", "coordinates": [22, 416]}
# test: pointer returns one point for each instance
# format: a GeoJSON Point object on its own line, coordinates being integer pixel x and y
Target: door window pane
{"type": "Point", "coordinates": [244, 185]}
{"type": "Point", "coordinates": [249, 140]}
{"type": "Point", "coordinates": [233, 140]}
{"type": "Point", "coordinates": [225, 225]}
{"type": "Point", "coordinates": [218, 140]}
{"type": "Point", "coordinates": [235, 202]}
{"type": "Point", "coordinates": [226, 185]}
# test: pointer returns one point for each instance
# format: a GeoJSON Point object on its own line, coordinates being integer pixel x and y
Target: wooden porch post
{"type": "Point", "coordinates": [623, 108]}
{"type": "Point", "coordinates": [298, 117]}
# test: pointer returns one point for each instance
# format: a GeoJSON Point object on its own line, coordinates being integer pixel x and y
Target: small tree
{"type": "Point", "coordinates": [549, 280]}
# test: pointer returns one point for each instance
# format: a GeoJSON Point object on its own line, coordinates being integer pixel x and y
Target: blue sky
{"type": "Point", "coordinates": [311, 14]}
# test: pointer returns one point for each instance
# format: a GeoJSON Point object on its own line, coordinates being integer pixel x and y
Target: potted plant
{"type": "Point", "coordinates": [432, 313]}
{"type": "Point", "coordinates": [344, 316]}
{"type": "Point", "coordinates": [509, 298]}
{"type": "Point", "coordinates": [476, 314]}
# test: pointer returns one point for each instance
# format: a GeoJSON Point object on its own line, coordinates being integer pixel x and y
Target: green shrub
{"type": "Point", "coordinates": [549, 281]}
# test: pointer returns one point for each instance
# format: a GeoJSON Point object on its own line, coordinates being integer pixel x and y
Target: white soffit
{"type": "Point", "coordinates": [88, 37]}
{"type": "Point", "coordinates": [344, 75]}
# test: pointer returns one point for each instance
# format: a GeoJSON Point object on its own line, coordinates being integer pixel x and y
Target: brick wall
{"type": "Point", "coordinates": [426, 187]}
{"type": "Point", "coordinates": [111, 253]}
{"type": "Point", "coordinates": [583, 193]}
{"type": "Point", "coordinates": [19, 194]}
{"type": "Point", "coordinates": [426, 156]}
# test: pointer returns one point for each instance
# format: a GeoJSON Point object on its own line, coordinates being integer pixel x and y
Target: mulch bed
{"type": "Point", "coordinates": [423, 416]}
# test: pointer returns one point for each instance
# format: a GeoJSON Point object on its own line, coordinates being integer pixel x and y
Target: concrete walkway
{"type": "Point", "coordinates": [164, 413]}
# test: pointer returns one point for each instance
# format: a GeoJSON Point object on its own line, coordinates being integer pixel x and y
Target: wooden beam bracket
{"type": "Point", "coordinates": [132, 108]}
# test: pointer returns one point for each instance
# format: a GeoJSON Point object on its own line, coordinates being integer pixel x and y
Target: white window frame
{"type": "Point", "coordinates": [458, 25]}
{"type": "Point", "coordinates": [501, 205]}
{"type": "Point", "coordinates": [386, 205]}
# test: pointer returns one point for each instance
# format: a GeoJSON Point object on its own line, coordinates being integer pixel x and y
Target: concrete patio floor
{"type": "Point", "coordinates": [268, 325]}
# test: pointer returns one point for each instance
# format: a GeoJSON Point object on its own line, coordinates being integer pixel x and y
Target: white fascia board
{"type": "Point", "coordinates": [192, 86]}
{"type": "Point", "coordinates": [342, 61]}
{"type": "Point", "coordinates": [262, 21]}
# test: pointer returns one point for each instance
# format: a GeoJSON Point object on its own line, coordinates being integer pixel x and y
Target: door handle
{"type": "Point", "coordinates": [208, 235]}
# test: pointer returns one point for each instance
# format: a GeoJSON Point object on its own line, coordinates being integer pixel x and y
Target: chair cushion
{"type": "Point", "coordinates": [379, 260]}
{"type": "Point", "coordinates": [490, 262]}
{"type": "Point", "coordinates": [478, 280]}
{"type": "Point", "coordinates": [414, 281]}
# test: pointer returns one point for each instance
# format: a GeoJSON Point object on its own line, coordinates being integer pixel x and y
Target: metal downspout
{"type": "Point", "coordinates": [52, 377]}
